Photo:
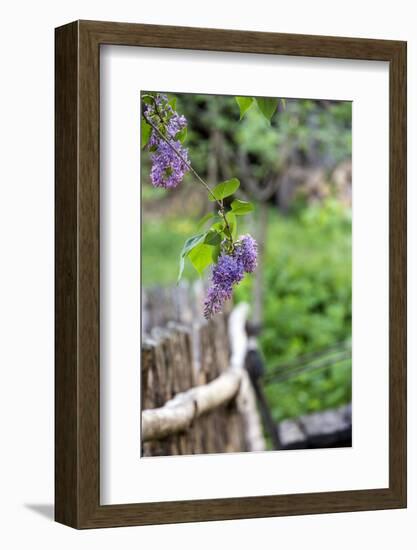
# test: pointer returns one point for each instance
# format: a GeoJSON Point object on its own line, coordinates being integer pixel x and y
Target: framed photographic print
{"type": "Point", "coordinates": [230, 274]}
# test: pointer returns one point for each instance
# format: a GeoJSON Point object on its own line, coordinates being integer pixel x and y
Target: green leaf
{"type": "Point", "coordinates": [145, 130]}
{"type": "Point", "coordinates": [244, 103]}
{"type": "Point", "coordinates": [181, 135]}
{"type": "Point", "coordinates": [186, 249]}
{"type": "Point", "coordinates": [213, 238]}
{"type": "Point", "coordinates": [173, 103]}
{"type": "Point", "coordinates": [215, 253]}
{"type": "Point", "coordinates": [231, 218]}
{"type": "Point", "coordinates": [225, 189]}
{"type": "Point", "coordinates": [192, 242]}
{"type": "Point", "coordinates": [205, 218]}
{"type": "Point", "coordinates": [201, 257]}
{"type": "Point", "coordinates": [181, 269]}
{"type": "Point", "coordinates": [267, 106]}
{"type": "Point", "coordinates": [218, 226]}
{"type": "Point", "coordinates": [284, 103]}
{"type": "Point", "coordinates": [240, 208]}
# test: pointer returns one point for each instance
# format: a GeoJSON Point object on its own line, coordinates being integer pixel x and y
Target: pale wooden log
{"type": "Point", "coordinates": [246, 399]}
{"type": "Point", "coordinates": [178, 413]}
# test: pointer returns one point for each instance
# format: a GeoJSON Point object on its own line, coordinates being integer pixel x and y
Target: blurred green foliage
{"type": "Point", "coordinates": [307, 304]}
{"type": "Point", "coordinates": [307, 264]}
{"type": "Point", "coordinates": [304, 131]}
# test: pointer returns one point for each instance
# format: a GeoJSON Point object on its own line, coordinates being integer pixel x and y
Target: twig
{"type": "Point", "coordinates": [286, 375]}
{"type": "Point", "coordinates": [308, 358]}
{"type": "Point", "coordinates": [188, 165]}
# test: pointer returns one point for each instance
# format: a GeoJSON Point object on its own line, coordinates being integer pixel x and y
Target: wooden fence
{"type": "Point", "coordinates": [200, 392]}
{"type": "Point", "coordinates": [196, 396]}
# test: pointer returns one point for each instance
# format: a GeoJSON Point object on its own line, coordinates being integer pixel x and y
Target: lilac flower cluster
{"type": "Point", "coordinates": [229, 271]}
{"type": "Point", "coordinates": [167, 169]}
{"type": "Point", "coordinates": [246, 250]}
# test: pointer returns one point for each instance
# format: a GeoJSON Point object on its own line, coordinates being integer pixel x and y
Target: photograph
{"type": "Point", "coordinates": [246, 273]}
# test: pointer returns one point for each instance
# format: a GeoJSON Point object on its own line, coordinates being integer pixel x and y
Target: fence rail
{"type": "Point", "coordinates": [179, 413]}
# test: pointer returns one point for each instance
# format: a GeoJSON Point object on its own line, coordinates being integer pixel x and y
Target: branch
{"type": "Point", "coordinates": [200, 179]}
{"type": "Point", "coordinates": [179, 413]}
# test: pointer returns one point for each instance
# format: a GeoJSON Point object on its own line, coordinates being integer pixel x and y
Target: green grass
{"type": "Point", "coordinates": [162, 242]}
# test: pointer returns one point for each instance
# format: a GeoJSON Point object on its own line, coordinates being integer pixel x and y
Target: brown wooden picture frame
{"type": "Point", "coordinates": [77, 360]}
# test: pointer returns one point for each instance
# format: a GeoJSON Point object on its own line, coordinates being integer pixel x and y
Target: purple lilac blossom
{"type": "Point", "coordinates": [229, 271]}
{"type": "Point", "coordinates": [246, 250]}
{"type": "Point", "coordinates": [167, 169]}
